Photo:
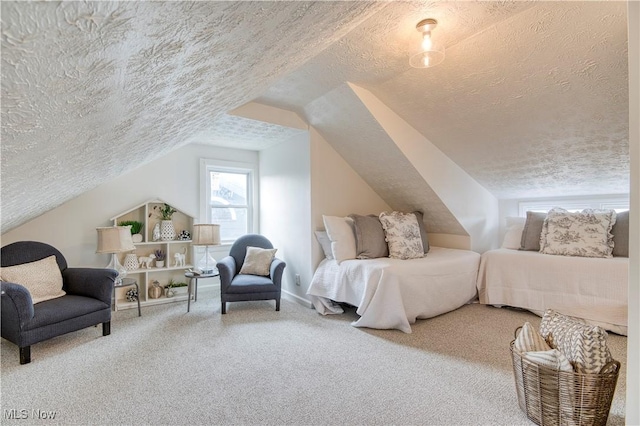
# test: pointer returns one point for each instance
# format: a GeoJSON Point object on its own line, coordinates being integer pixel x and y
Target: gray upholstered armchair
{"type": "Point", "coordinates": [87, 301]}
{"type": "Point", "coordinates": [235, 287]}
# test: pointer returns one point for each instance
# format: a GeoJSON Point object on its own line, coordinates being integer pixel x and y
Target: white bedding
{"type": "Point", "coordinates": [591, 288]}
{"type": "Point", "coordinates": [393, 293]}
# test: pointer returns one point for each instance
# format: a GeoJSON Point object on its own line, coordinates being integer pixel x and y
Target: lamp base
{"type": "Point", "coordinates": [121, 270]}
{"type": "Point", "coordinates": [207, 264]}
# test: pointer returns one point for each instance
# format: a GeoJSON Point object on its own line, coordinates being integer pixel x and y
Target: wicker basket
{"type": "Point", "coordinates": [552, 397]}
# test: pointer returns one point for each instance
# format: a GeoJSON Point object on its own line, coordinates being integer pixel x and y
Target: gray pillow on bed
{"type": "Point", "coordinates": [532, 230]}
{"type": "Point", "coordinates": [370, 241]}
{"type": "Point", "coordinates": [423, 231]}
{"type": "Point", "coordinates": [325, 242]}
{"type": "Point", "coordinates": [620, 233]}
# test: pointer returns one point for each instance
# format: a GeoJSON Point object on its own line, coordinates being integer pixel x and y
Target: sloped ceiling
{"type": "Point", "coordinates": [91, 90]}
{"type": "Point", "coordinates": [531, 99]}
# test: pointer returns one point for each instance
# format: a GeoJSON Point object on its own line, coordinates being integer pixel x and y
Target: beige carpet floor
{"type": "Point", "coordinates": [257, 366]}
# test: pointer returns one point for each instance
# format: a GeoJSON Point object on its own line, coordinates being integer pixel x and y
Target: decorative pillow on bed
{"type": "Point", "coordinates": [513, 237]}
{"type": "Point", "coordinates": [584, 345]}
{"type": "Point", "coordinates": [532, 229]}
{"type": "Point", "coordinates": [402, 233]}
{"type": "Point", "coordinates": [585, 234]}
{"type": "Point", "coordinates": [620, 231]}
{"type": "Point", "coordinates": [423, 231]}
{"type": "Point", "coordinates": [325, 243]}
{"type": "Point", "coordinates": [370, 242]}
{"type": "Point", "coordinates": [42, 278]}
{"type": "Point", "coordinates": [343, 240]}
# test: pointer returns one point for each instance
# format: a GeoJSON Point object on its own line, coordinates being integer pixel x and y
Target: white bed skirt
{"type": "Point", "coordinates": [590, 288]}
{"type": "Point", "coordinates": [393, 293]}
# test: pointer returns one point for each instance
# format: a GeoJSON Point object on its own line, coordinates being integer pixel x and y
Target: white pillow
{"type": "Point", "coordinates": [530, 340]}
{"type": "Point", "coordinates": [343, 239]}
{"type": "Point", "coordinates": [402, 233]}
{"type": "Point", "coordinates": [257, 261]}
{"type": "Point", "coordinates": [513, 237]}
{"type": "Point", "coordinates": [325, 243]}
{"type": "Point", "coordinates": [584, 234]}
{"type": "Point", "coordinates": [552, 358]}
{"type": "Point", "coordinates": [42, 278]}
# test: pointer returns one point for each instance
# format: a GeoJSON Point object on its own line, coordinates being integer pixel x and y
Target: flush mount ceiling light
{"type": "Point", "coordinates": [432, 53]}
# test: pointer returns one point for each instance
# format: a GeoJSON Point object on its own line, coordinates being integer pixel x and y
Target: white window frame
{"type": "Point", "coordinates": [615, 202]}
{"type": "Point", "coordinates": [211, 165]}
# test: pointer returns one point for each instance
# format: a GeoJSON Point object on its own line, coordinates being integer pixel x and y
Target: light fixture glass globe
{"type": "Point", "coordinates": [428, 58]}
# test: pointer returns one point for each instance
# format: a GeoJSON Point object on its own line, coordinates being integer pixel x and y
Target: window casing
{"type": "Point", "coordinates": [574, 204]}
{"type": "Point", "coordinates": [228, 197]}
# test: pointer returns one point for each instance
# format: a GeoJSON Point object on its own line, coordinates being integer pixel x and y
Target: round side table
{"type": "Point", "coordinates": [127, 282]}
{"type": "Point", "coordinates": [195, 277]}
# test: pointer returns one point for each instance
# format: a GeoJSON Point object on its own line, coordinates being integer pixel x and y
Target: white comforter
{"type": "Point", "coordinates": [392, 293]}
{"type": "Point", "coordinates": [590, 288]}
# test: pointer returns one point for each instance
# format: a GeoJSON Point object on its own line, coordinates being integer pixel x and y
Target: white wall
{"type": "Point", "coordinates": [174, 178]}
{"type": "Point", "coordinates": [473, 205]}
{"type": "Point", "coordinates": [285, 200]}
{"type": "Point", "coordinates": [336, 189]}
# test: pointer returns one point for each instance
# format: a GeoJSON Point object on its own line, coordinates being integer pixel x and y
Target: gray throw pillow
{"type": "Point", "coordinates": [620, 233]}
{"type": "Point", "coordinates": [532, 230]}
{"type": "Point", "coordinates": [423, 231]}
{"type": "Point", "coordinates": [370, 238]}
{"type": "Point", "coordinates": [325, 242]}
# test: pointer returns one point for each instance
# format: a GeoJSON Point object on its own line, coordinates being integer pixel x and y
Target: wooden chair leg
{"type": "Point", "coordinates": [106, 328]}
{"type": "Point", "coordinates": [224, 308]}
{"type": "Point", "coordinates": [25, 355]}
{"type": "Point", "coordinates": [277, 304]}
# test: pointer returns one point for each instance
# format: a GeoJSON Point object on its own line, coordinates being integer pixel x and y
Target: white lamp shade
{"type": "Point", "coordinates": [206, 234]}
{"type": "Point", "coordinates": [114, 239]}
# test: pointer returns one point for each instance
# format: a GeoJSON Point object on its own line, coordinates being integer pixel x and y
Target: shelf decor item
{"type": "Point", "coordinates": [132, 295]}
{"type": "Point", "coordinates": [136, 227]}
{"type": "Point", "coordinates": [114, 240]}
{"type": "Point", "coordinates": [206, 234]}
{"type": "Point", "coordinates": [160, 257]}
{"type": "Point", "coordinates": [167, 231]}
{"type": "Point", "coordinates": [156, 290]}
{"type": "Point", "coordinates": [130, 262]}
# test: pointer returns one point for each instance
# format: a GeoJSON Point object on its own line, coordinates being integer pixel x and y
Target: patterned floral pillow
{"type": "Point", "coordinates": [402, 233]}
{"type": "Point", "coordinates": [584, 345]}
{"type": "Point", "coordinates": [585, 234]}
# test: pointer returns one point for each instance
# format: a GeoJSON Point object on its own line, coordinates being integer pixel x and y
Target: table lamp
{"type": "Point", "coordinates": [114, 240]}
{"type": "Point", "coordinates": [206, 234]}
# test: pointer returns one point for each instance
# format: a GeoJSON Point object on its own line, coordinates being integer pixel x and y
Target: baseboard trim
{"type": "Point", "coordinates": [285, 294]}
{"type": "Point", "coordinates": [295, 298]}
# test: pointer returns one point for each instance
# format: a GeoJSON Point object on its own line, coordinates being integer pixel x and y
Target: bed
{"type": "Point", "coordinates": [393, 293]}
{"type": "Point", "coordinates": [594, 289]}
{"type": "Point", "coordinates": [520, 274]}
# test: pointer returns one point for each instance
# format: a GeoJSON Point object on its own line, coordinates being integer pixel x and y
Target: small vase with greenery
{"type": "Point", "coordinates": [167, 231]}
{"type": "Point", "coordinates": [160, 257]}
{"type": "Point", "coordinates": [136, 227]}
{"type": "Point", "coordinates": [165, 212]}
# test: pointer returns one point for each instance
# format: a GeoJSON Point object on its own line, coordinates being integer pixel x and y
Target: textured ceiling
{"type": "Point", "coordinates": [91, 90]}
{"type": "Point", "coordinates": [531, 99]}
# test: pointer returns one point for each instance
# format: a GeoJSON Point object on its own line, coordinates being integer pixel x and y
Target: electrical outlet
{"type": "Point", "coordinates": [297, 279]}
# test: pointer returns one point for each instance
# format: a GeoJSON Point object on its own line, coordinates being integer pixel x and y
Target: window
{"type": "Point", "coordinates": [227, 197]}
{"type": "Point", "coordinates": [574, 204]}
